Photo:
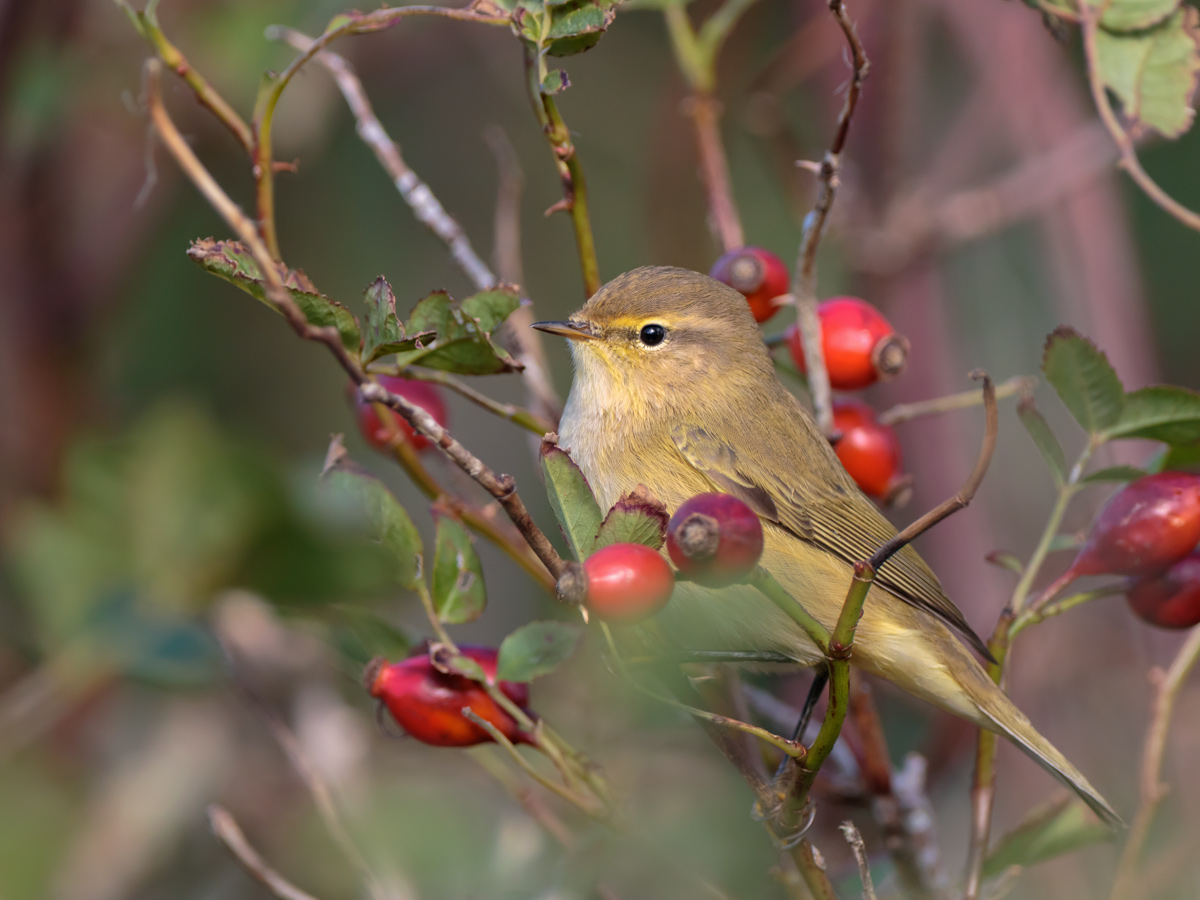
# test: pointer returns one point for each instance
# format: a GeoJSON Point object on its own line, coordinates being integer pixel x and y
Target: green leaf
{"type": "Point", "coordinates": [1153, 73]}
{"type": "Point", "coordinates": [459, 594]}
{"type": "Point", "coordinates": [1005, 559]}
{"type": "Point", "coordinates": [1043, 438]}
{"type": "Point", "coordinates": [383, 334]}
{"type": "Point", "coordinates": [392, 525]}
{"type": "Point", "coordinates": [536, 649]}
{"type": "Point", "coordinates": [1161, 413]}
{"type": "Point", "coordinates": [637, 518]}
{"type": "Point", "coordinates": [1174, 458]}
{"type": "Point", "coordinates": [572, 500]}
{"type": "Point", "coordinates": [361, 635]}
{"type": "Point", "coordinates": [1084, 380]}
{"type": "Point", "coordinates": [1134, 15]}
{"type": "Point", "coordinates": [1055, 828]}
{"type": "Point", "coordinates": [577, 26]}
{"type": "Point", "coordinates": [463, 341]}
{"type": "Point", "coordinates": [231, 261]}
{"type": "Point", "coordinates": [555, 82]}
{"type": "Point", "coordinates": [1114, 473]}
{"type": "Point", "coordinates": [1066, 541]}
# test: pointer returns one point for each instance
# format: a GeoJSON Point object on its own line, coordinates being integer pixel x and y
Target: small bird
{"type": "Point", "coordinates": [674, 389]}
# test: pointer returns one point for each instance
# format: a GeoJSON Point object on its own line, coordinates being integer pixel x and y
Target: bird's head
{"type": "Point", "coordinates": [663, 335]}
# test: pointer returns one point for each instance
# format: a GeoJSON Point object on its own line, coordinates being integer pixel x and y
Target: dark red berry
{"type": "Point", "coordinates": [428, 703]}
{"type": "Point", "coordinates": [869, 451]}
{"type": "Point", "coordinates": [859, 344]}
{"type": "Point", "coordinates": [758, 274]}
{"type": "Point", "coordinates": [419, 393]}
{"type": "Point", "coordinates": [627, 583]}
{"type": "Point", "coordinates": [715, 539]}
{"type": "Point", "coordinates": [1146, 526]}
{"type": "Point", "coordinates": [1170, 599]}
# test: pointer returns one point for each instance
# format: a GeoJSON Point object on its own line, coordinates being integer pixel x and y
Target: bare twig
{"type": "Point", "coordinates": [229, 833]}
{"type": "Point", "coordinates": [854, 839]}
{"type": "Point", "coordinates": [516, 414]}
{"type": "Point", "coordinates": [811, 864]}
{"type": "Point", "coordinates": [425, 206]}
{"type": "Point", "coordinates": [804, 281]}
{"type": "Point", "coordinates": [705, 112]}
{"type": "Point", "coordinates": [1167, 685]}
{"type": "Point", "coordinates": [902, 412]}
{"type": "Point", "coordinates": [1089, 22]}
{"type": "Point", "coordinates": [502, 487]}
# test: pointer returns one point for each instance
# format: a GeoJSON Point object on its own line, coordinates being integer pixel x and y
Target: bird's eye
{"type": "Point", "coordinates": [652, 335]}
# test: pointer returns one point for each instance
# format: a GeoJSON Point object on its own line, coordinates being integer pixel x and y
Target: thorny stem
{"type": "Point", "coordinates": [1167, 686]}
{"type": "Point", "coordinates": [272, 90]}
{"type": "Point", "coordinates": [804, 281]}
{"type": "Point", "coordinates": [1089, 21]}
{"type": "Point", "coordinates": [983, 791]}
{"type": "Point", "coordinates": [574, 185]}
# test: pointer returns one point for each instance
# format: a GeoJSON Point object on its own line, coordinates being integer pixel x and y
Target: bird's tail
{"type": "Point", "coordinates": [1006, 719]}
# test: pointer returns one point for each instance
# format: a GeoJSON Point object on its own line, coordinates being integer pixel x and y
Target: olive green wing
{"type": "Point", "coordinates": [833, 516]}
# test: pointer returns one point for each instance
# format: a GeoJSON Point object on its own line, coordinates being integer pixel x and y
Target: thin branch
{"type": "Point", "coordinates": [516, 414]}
{"type": "Point", "coordinates": [425, 206]}
{"type": "Point", "coordinates": [272, 90]}
{"type": "Point", "coordinates": [903, 412]}
{"type": "Point", "coordinates": [1089, 22]}
{"type": "Point", "coordinates": [502, 487]}
{"type": "Point", "coordinates": [804, 281]}
{"type": "Point", "coordinates": [811, 864]}
{"type": "Point", "coordinates": [229, 833]}
{"type": "Point", "coordinates": [1167, 686]}
{"type": "Point", "coordinates": [859, 848]}
{"type": "Point", "coordinates": [705, 112]}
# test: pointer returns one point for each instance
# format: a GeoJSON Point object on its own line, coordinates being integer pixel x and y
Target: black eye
{"type": "Point", "coordinates": [652, 335]}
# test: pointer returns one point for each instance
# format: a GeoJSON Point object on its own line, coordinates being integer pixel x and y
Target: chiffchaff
{"type": "Point", "coordinates": [674, 389]}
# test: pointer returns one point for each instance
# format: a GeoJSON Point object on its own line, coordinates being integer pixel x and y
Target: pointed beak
{"type": "Point", "coordinates": [575, 331]}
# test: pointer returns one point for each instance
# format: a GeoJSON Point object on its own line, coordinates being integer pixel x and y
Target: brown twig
{"type": "Point", "coordinates": [859, 848]}
{"type": "Point", "coordinates": [1167, 685]}
{"type": "Point", "coordinates": [705, 112]}
{"type": "Point", "coordinates": [811, 864]}
{"type": "Point", "coordinates": [804, 281]}
{"type": "Point", "coordinates": [502, 487]}
{"type": "Point", "coordinates": [1089, 23]}
{"type": "Point", "coordinates": [903, 412]}
{"type": "Point", "coordinates": [229, 833]}
{"type": "Point", "coordinates": [416, 193]}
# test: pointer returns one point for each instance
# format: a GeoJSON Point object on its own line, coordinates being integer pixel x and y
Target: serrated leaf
{"type": "Point", "coordinates": [1153, 72]}
{"type": "Point", "coordinates": [1084, 380]}
{"type": "Point", "coordinates": [1043, 439]}
{"type": "Point", "coordinates": [1134, 15]}
{"type": "Point", "coordinates": [382, 333]}
{"type": "Point", "coordinates": [459, 593]}
{"type": "Point", "coordinates": [1050, 830]}
{"type": "Point", "coordinates": [572, 500]}
{"type": "Point", "coordinates": [1114, 473]}
{"type": "Point", "coordinates": [1161, 413]}
{"type": "Point", "coordinates": [555, 82]}
{"type": "Point", "coordinates": [577, 26]}
{"type": "Point", "coordinates": [637, 518]}
{"type": "Point", "coordinates": [392, 525]}
{"type": "Point", "coordinates": [536, 649]}
{"type": "Point", "coordinates": [234, 263]}
{"type": "Point", "coordinates": [463, 341]}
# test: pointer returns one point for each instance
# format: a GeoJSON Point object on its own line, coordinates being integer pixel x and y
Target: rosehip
{"type": "Point", "coordinates": [860, 345]}
{"type": "Point", "coordinates": [419, 393]}
{"type": "Point", "coordinates": [1147, 526]}
{"type": "Point", "coordinates": [428, 703]}
{"type": "Point", "coordinates": [758, 274]}
{"type": "Point", "coordinates": [1170, 599]}
{"type": "Point", "coordinates": [715, 539]}
{"type": "Point", "coordinates": [869, 451]}
{"type": "Point", "coordinates": [627, 583]}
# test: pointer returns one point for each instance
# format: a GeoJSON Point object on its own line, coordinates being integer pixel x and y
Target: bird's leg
{"type": "Point", "coordinates": [789, 769]}
{"type": "Point", "coordinates": [731, 656]}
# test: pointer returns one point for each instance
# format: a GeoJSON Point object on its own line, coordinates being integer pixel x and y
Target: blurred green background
{"type": "Point", "coordinates": [161, 434]}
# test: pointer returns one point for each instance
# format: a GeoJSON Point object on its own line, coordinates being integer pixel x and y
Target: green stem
{"type": "Point", "coordinates": [1033, 616]}
{"type": "Point", "coordinates": [775, 592]}
{"type": "Point", "coordinates": [518, 415]}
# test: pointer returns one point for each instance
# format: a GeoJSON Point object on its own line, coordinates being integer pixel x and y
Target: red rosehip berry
{"type": "Point", "coordinates": [1145, 527]}
{"type": "Point", "coordinates": [869, 451]}
{"type": "Point", "coordinates": [758, 274]}
{"type": "Point", "coordinates": [627, 583]}
{"type": "Point", "coordinates": [860, 345]}
{"type": "Point", "coordinates": [715, 539]}
{"type": "Point", "coordinates": [1170, 599]}
{"type": "Point", "coordinates": [428, 703]}
{"type": "Point", "coordinates": [420, 393]}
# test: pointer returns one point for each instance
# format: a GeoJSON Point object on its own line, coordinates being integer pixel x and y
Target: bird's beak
{"type": "Point", "coordinates": [575, 331]}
